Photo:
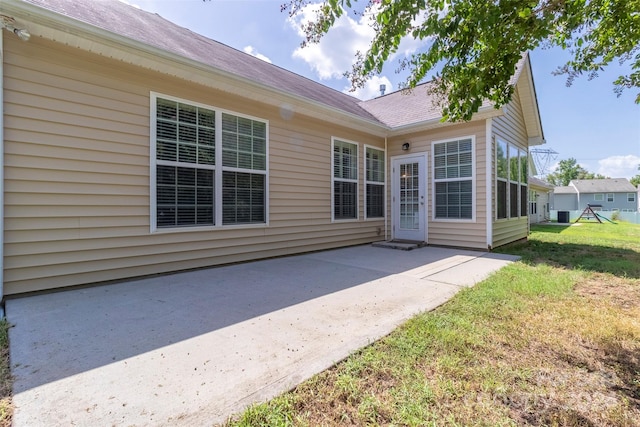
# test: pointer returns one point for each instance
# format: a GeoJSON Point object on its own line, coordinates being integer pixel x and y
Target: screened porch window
{"type": "Point", "coordinates": [511, 181]}
{"type": "Point", "coordinates": [210, 166]}
{"type": "Point", "coordinates": [502, 177]}
{"type": "Point", "coordinates": [453, 178]}
{"type": "Point", "coordinates": [345, 180]}
{"type": "Point", "coordinates": [524, 187]}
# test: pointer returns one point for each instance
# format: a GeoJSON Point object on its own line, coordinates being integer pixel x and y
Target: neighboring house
{"type": "Point", "coordinates": [610, 194]}
{"type": "Point", "coordinates": [539, 195]}
{"type": "Point", "coordinates": [133, 146]}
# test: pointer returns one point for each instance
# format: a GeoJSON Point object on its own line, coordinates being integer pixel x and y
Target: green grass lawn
{"type": "Point", "coordinates": [551, 340]}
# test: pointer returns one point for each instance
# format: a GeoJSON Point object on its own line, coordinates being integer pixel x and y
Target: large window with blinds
{"type": "Point", "coordinates": [374, 182]}
{"type": "Point", "coordinates": [453, 179]}
{"type": "Point", "coordinates": [344, 179]}
{"type": "Point", "coordinates": [210, 166]}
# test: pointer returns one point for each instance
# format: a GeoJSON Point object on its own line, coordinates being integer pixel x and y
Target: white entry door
{"type": "Point", "coordinates": [409, 182]}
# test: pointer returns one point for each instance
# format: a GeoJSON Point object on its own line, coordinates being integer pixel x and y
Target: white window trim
{"type": "Point", "coordinates": [631, 197]}
{"type": "Point", "coordinates": [473, 181]}
{"type": "Point", "coordinates": [356, 181]}
{"type": "Point", "coordinates": [217, 168]}
{"type": "Point", "coordinates": [383, 183]}
{"type": "Point", "coordinates": [599, 197]}
{"type": "Point", "coordinates": [613, 198]}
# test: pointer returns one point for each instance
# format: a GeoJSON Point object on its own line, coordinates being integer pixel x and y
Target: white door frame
{"type": "Point", "coordinates": [420, 232]}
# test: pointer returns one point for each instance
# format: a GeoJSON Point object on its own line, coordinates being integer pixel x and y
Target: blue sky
{"type": "Point", "coordinates": [586, 121]}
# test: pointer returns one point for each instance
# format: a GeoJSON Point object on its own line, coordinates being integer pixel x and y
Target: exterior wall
{"type": "Point", "coordinates": [564, 202]}
{"type": "Point", "coordinates": [542, 204]}
{"type": "Point", "coordinates": [77, 190]}
{"type": "Point", "coordinates": [510, 128]}
{"type": "Point", "coordinates": [620, 201]}
{"type": "Point", "coordinates": [470, 234]}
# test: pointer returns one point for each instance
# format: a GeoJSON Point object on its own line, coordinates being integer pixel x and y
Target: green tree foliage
{"type": "Point", "coordinates": [568, 170]}
{"type": "Point", "coordinates": [474, 45]}
{"type": "Point", "coordinates": [635, 181]}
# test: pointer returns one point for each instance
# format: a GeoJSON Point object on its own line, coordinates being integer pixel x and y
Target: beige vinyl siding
{"type": "Point", "coordinates": [77, 176]}
{"type": "Point", "coordinates": [510, 231]}
{"type": "Point", "coordinates": [452, 233]}
{"type": "Point", "coordinates": [510, 128]}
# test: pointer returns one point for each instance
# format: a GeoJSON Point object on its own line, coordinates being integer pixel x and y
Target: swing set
{"type": "Point", "coordinates": [589, 213]}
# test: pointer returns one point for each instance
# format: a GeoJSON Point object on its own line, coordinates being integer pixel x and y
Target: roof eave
{"type": "Point", "coordinates": [60, 28]}
{"type": "Point", "coordinates": [536, 135]}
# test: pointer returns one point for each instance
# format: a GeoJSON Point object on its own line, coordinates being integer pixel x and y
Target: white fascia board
{"type": "Point", "coordinates": [538, 140]}
{"type": "Point", "coordinates": [531, 87]}
{"type": "Point", "coordinates": [56, 27]}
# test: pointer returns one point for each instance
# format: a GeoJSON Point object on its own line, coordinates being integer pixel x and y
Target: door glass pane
{"type": "Point", "coordinates": [409, 196]}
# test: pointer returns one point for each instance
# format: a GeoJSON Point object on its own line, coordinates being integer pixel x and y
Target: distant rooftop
{"type": "Point", "coordinates": [609, 185]}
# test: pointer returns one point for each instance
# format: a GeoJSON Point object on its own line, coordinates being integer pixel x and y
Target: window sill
{"type": "Point", "coordinates": [206, 228]}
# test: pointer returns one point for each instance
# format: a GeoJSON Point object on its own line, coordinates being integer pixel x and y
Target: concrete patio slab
{"type": "Point", "coordinates": [195, 347]}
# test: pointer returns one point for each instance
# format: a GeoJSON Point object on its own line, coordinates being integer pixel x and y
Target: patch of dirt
{"type": "Point", "coordinates": [623, 293]}
{"type": "Point", "coordinates": [584, 376]}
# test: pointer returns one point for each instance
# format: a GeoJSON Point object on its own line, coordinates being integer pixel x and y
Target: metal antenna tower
{"type": "Point", "coordinates": [543, 158]}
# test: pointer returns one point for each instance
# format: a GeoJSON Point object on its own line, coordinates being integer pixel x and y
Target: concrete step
{"type": "Point", "coordinates": [403, 245]}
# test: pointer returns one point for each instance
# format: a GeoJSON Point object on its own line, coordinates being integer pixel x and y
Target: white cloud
{"type": "Point", "coordinates": [253, 52]}
{"type": "Point", "coordinates": [371, 89]}
{"type": "Point", "coordinates": [619, 166]}
{"type": "Point", "coordinates": [336, 51]}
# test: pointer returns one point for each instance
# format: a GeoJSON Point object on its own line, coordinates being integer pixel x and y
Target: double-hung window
{"type": "Point", "coordinates": [610, 197]}
{"type": "Point", "coordinates": [453, 179]}
{"type": "Point", "coordinates": [345, 179]}
{"type": "Point", "coordinates": [374, 182]}
{"type": "Point", "coordinates": [244, 165]}
{"type": "Point", "coordinates": [631, 197]}
{"type": "Point", "coordinates": [210, 166]}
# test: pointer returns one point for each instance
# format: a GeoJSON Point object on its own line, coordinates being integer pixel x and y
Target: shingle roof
{"type": "Point", "coordinates": [564, 190]}
{"type": "Point", "coordinates": [407, 107]}
{"type": "Point", "coordinates": [396, 109]}
{"type": "Point", "coordinates": [614, 185]}
{"type": "Point", "coordinates": [539, 183]}
{"type": "Point", "coordinates": [153, 30]}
